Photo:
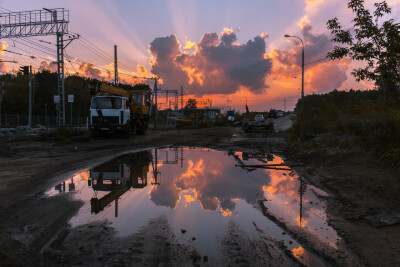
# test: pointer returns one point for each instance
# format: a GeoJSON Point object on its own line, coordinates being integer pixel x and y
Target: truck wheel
{"type": "Point", "coordinates": [144, 128]}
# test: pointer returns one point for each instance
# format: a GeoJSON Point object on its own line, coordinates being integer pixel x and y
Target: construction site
{"type": "Point", "coordinates": [97, 172]}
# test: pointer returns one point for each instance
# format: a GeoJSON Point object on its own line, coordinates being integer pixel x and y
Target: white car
{"type": "Point", "coordinates": [259, 117]}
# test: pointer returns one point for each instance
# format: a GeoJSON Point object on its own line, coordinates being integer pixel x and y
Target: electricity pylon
{"type": "Point", "coordinates": [41, 23]}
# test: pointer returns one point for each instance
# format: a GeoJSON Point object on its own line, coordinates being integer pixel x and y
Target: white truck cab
{"type": "Point", "coordinates": [109, 113]}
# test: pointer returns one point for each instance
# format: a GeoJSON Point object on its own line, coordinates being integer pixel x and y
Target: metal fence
{"type": "Point", "coordinates": [8, 120]}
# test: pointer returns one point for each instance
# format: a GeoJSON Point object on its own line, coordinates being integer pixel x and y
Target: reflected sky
{"type": "Point", "coordinates": [199, 190]}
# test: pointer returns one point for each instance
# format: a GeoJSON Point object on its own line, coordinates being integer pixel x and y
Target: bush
{"type": "Point", "coordinates": [373, 117]}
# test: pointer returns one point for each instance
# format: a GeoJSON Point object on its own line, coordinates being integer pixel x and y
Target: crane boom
{"type": "Point", "coordinates": [115, 90]}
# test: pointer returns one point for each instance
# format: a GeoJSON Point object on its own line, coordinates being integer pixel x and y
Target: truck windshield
{"type": "Point", "coordinates": [107, 103]}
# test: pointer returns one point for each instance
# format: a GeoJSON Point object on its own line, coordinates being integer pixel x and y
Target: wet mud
{"type": "Point", "coordinates": [218, 209]}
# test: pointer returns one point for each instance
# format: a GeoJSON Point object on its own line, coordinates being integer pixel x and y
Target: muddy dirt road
{"type": "Point", "coordinates": [252, 224]}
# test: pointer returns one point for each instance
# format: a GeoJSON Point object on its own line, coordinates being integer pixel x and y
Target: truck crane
{"type": "Point", "coordinates": [118, 177]}
{"type": "Point", "coordinates": [114, 109]}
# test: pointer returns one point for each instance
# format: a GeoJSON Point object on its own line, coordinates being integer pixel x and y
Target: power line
{"type": "Point", "coordinates": [106, 55]}
{"type": "Point", "coordinates": [84, 42]}
{"type": "Point", "coordinates": [33, 47]}
{"type": "Point", "coordinates": [316, 61]}
{"type": "Point", "coordinates": [70, 61]}
{"type": "Point", "coordinates": [32, 57]}
{"type": "Point", "coordinates": [39, 45]}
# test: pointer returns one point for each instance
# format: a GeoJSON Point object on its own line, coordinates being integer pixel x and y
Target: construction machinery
{"type": "Point", "coordinates": [118, 176]}
{"type": "Point", "coordinates": [251, 125]}
{"type": "Point", "coordinates": [257, 124]}
{"type": "Point", "coordinates": [114, 109]}
{"type": "Point", "coordinates": [194, 119]}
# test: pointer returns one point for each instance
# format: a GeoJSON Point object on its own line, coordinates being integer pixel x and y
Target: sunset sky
{"type": "Point", "coordinates": [224, 50]}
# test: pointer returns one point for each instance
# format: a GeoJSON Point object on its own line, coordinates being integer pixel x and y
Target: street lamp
{"type": "Point", "coordinates": [302, 66]}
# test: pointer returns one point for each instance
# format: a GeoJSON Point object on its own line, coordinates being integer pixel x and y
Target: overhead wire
{"type": "Point", "coordinates": [107, 58]}
{"type": "Point", "coordinates": [69, 61]}
{"type": "Point", "coordinates": [316, 61]}
{"type": "Point", "coordinates": [95, 47]}
{"type": "Point", "coordinates": [83, 42]}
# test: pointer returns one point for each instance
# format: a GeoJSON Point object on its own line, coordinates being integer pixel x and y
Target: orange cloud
{"type": "Point", "coordinates": [218, 64]}
{"type": "Point", "coordinates": [297, 252]}
{"type": "Point", "coordinates": [189, 45]}
{"type": "Point", "coordinates": [321, 75]}
{"type": "Point", "coordinates": [194, 170]}
{"type": "Point", "coordinates": [189, 198]}
{"type": "Point", "coordinates": [108, 74]}
{"type": "Point", "coordinates": [88, 70]}
{"type": "Point", "coordinates": [281, 184]}
{"type": "Point", "coordinates": [49, 66]}
{"type": "Point", "coordinates": [226, 212]}
{"type": "Point", "coordinates": [327, 76]}
{"type": "Point", "coordinates": [141, 69]}
{"type": "Point", "coordinates": [3, 66]}
{"type": "Point", "coordinates": [3, 46]}
{"type": "Point", "coordinates": [304, 22]}
{"type": "Point", "coordinates": [227, 31]}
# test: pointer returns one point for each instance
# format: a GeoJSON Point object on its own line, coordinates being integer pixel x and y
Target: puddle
{"type": "Point", "coordinates": [199, 191]}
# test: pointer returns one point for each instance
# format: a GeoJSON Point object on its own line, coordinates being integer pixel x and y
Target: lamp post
{"type": "Point", "coordinates": [302, 66]}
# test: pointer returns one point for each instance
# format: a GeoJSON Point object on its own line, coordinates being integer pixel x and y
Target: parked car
{"type": "Point", "coordinates": [259, 117]}
{"type": "Point", "coordinates": [279, 114]}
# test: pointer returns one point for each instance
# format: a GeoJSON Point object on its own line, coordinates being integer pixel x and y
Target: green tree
{"type": "Point", "coordinates": [191, 104]}
{"type": "Point", "coordinates": [371, 41]}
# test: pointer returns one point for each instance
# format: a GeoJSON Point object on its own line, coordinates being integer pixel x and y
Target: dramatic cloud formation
{"type": "Point", "coordinates": [328, 76]}
{"type": "Point", "coordinates": [321, 75]}
{"type": "Point", "coordinates": [88, 70]}
{"type": "Point", "coordinates": [50, 66]}
{"type": "Point", "coordinates": [203, 175]}
{"type": "Point", "coordinates": [218, 65]}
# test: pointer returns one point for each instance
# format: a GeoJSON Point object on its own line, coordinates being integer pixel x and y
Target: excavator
{"type": "Point", "coordinates": [114, 109]}
{"type": "Point", "coordinates": [118, 176]}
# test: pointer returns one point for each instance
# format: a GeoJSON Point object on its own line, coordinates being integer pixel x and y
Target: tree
{"type": "Point", "coordinates": [374, 42]}
{"type": "Point", "coordinates": [191, 104]}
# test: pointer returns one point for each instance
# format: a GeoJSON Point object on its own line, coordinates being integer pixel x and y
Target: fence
{"type": "Point", "coordinates": [8, 120]}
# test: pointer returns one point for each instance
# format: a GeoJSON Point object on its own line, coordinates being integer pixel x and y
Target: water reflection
{"type": "Point", "coordinates": [118, 176]}
{"type": "Point", "coordinates": [61, 186]}
{"type": "Point", "coordinates": [197, 190]}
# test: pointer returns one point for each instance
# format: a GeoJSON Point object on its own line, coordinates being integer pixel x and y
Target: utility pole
{"type": "Point", "coordinates": [155, 94]}
{"type": "Point", "coordinates": [33, 87]}
{"type": "Point", "coordinates": [115, 66]}
{"type": "Point", "coordinates": [28, 129]}
{"type": "Point", "coordinates": [181, 98]}
{"type": "Point", "coordinates": [45, 115]}
{"type": "Point", "coordinates": [302, 68]}
{"type": "Point", "coordinates": [1, 99]}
